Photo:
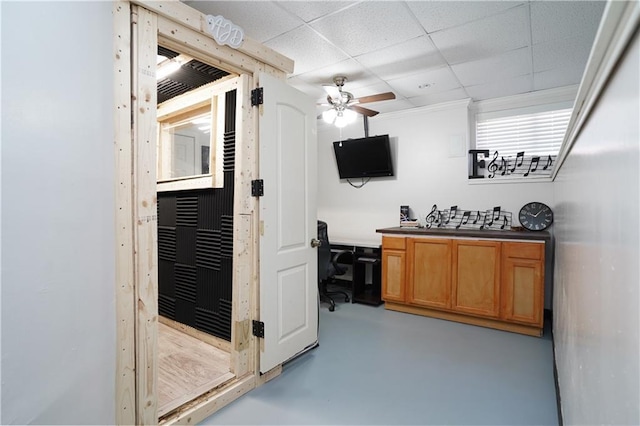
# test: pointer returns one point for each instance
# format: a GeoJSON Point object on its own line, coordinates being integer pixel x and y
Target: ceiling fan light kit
{"type": "Point", "coordinates": [344, 109]}
{"type": "Point", "coordinates": [339, 118]}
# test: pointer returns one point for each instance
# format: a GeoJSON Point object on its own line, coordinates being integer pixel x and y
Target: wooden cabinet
{"type": "Point", "coordinates": [393, 269]}
{"type": "Point", "coordinates": [476, 277]}
{"type": "Point", "coordinates": [488, 282]}
{"type": "Point", "coordinates": [429, 272]}
{"type": "Point", "coordinates": [522, 283]}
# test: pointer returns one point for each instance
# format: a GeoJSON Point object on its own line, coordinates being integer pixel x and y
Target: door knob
{"type": "Point", "coordinates": [315, 243]}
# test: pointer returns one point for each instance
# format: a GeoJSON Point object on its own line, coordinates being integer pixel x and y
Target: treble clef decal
{"type": "Point", "coordinates": [493, 166]}
{"type": "Point", "coordinates": [432, 217]}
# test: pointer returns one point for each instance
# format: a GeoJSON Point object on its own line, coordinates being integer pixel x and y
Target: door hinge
{"type": "Point", "coordinates": [258, 329]}
{"type": "Point", "coordinates": [257, 188]}
{"type": "Point", "coordinates": [256, 96]}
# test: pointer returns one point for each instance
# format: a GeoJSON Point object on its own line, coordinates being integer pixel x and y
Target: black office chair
{"type": "Point", "coordinates": [328, 267]}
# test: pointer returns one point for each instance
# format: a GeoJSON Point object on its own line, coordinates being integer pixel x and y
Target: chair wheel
{"type": "Point", "coordinates": [332, 308]}
{"type": "Point", "coordinates": [346, 299]}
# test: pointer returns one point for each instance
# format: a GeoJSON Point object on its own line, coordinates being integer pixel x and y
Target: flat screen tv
{"type": "Point", "coordinates": [364, 157]}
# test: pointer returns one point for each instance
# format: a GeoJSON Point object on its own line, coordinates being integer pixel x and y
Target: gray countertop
{"type": "Point", "coordinates": [473, 233]}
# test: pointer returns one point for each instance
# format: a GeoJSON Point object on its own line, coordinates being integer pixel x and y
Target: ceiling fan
{"type": "Point", "coordinates": [345, 106]}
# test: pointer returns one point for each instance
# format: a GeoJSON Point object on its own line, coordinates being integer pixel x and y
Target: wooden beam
{"type": "Point", "coordinates": [200, 335]}
{"type": "Point", "coordinates": [198, 410]}
{"type": "Point", "coordinates": [145, 42]}
{"type": "Point", "coordinates": [182, 39]}
{"type": "Point", "coordinates": [245, 243]}
{"type": "Point", "coordinates": [195, 20]}
{"type": "Point", "coordinates": [125, 298]}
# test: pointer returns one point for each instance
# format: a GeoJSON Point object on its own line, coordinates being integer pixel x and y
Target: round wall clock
{"type": "Point", "coordinates": [535, 216]}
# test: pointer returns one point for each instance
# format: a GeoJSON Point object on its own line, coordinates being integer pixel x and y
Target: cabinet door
{"type": "Point", "coordinates": [476, 277]}
{"type": "Point", "coordinates": [429, 272]}
{"type": "Point", "coordinates": [393, 275]}
{"type": "Point", "coordinates": [522, 283]}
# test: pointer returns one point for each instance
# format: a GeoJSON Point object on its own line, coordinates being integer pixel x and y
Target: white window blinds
{"type": "Point", "coordinates": [539, 133]}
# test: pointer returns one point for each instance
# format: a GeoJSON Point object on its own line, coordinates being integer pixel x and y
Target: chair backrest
{"type": "Point", "coordinates": [324, 251]}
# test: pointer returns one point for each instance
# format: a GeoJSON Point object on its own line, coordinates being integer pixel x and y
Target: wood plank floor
{"type": "Point", "coordinates": [187, 368]}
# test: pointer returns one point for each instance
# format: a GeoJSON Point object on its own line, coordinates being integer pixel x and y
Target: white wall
{"type": "Point", "coordinates": [596, 297]}
{"type": "Point", "coordinates": [428, 170]}
{"type": "Point", "coordinates": [58, 310]}
{"type": "Point", "coordinates": [425, 174]}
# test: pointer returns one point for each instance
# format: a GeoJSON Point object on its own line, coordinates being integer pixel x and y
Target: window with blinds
{"type": "Point", "coordinates": [538, 133]}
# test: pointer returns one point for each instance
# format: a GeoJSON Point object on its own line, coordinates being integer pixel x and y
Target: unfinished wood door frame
{"type": "Point", "coordinates": [138, 26]}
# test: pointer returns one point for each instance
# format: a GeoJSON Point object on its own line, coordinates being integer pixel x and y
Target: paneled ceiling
{"type": "Point", "coordinates": [426, 52]}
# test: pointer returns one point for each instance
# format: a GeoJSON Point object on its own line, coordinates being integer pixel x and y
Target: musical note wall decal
{"type": "Point", "coordinates": [534, 160]}
{"type": "Point", "coordinates": [517, 166]}
{"type": "Point", "coordinates": [493, 166]}
{"type": "Point", "coordinates": [455, 218]}
{"type": "Point", "coordinates": [504, 166]}
{"type": "Point", "coordinates": [520, 155]}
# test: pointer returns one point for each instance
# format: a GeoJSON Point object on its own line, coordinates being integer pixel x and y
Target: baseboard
{"type": "Point", "coordinates": [555, 368]}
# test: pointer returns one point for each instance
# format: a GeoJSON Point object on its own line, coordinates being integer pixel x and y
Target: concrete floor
{"type": "Point", "coordinates": [375, 366]}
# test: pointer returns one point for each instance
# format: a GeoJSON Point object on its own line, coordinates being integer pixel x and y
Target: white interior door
{"type": "Point", "coordinates": [288, 262]}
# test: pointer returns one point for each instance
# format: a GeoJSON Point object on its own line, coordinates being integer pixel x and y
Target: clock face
{"type": "Point", "coordinates": [536, 216]}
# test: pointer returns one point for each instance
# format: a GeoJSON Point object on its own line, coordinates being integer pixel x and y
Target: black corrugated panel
{"type": "Point", "coordinates": [226, 245]}
{"type": "Point", "coordinates": [227, 196]}
{"type": "Point", "coordinates": [190, 76]}
{"type": "Point", "coordinates": [208, 252]}
{"type": "Point", "coordinates": [186, 245]}
{"type": "Point", "coordinates": [187, 210]}
{"type": "Point", "coordinates": [167, 306]}
{"type": "Point", "coordinates": [168, 89]}
{"type": "Point", "coordinates": [210, 208]}
{"type": "Point", "coordinates": [208, 289]}
{"type": "Point", "coordinates": [216, 323]}
{"type": "Point", "coordinates": [186, 312]}
{"type": "Point", "coordinates": [166, 279]}
{"type": "Point", "coordinates": [230, 111]}
{"type": "Point", "coordinates": [167, 53]}
{"type": "Point", "coordinates": [167, 243]}
{"type": "Point", "coordinates": [226, 278]}
{"type": "Point", "coordinates": [195, 280]}
{"type": "Point", "coordinates": [166, 210]}
{"type": "Point", "coordinates": [185, 277]}
{"type": "Point", "coordinates": [229, 154]}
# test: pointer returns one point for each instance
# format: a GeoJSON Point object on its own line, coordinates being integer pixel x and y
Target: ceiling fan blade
{"type": "Point", "coordinates": [364, 111]}
{"type": "Point", "coordinates": [332, 91]}
{"type": "Point", "coordinates": [375, 98]}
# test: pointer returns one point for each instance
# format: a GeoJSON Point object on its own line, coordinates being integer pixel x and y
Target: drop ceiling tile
{"type": "Point", "coordinates": [308, 50]}
{"type": "Point", "coordinates": [485, 37]}
{"type": "Point", "coordinates": [312, 90]}
{"type": "Point", "coordinates": [495, 68]}
{"type": "Point", "coordinates": [558, 53]}
{"type": "Point", "coordinates": [551, 20]}
{"type": "Point", "coordinates": [372, 89]}
{"type": "Point", "coordinates": [437, 98]}
{"type": "Point", "coordinates": [439, 80]}
{"type": "Point", "coordinates": [369, 26]}
{"type": "Point", "coordinates": [558, 77]}
{"type": "Point", "coordinates": [439, 15]}
{"type": "Point", "coordinates": [390, 106]}
{"type": "Point", "coordinates": [512, 86]}
{"type": "Point", "coordinates": [357, 76]}
{"type": "Point", "coordinates": [260, 20]}
{"type": "Point", "coordinates": [404, 58]}
{"type": "Point", "coordinates": [311, 10]}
